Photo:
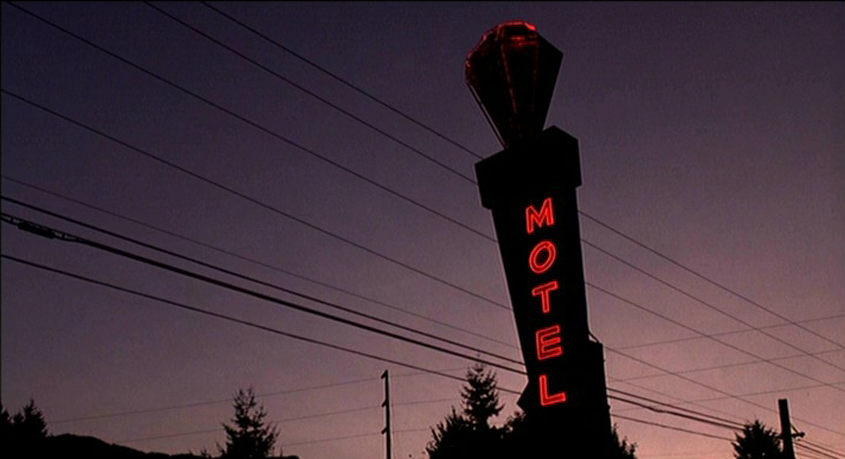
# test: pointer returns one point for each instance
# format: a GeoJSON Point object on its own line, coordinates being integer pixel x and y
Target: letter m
{"type": "Point", "coordinates": [545, 217]}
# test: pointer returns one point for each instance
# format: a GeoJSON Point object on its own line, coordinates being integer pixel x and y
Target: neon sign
{"type": "Point", "coordinates": [531, 189]}
{"type": "Point", "coordinates": [548, 339]}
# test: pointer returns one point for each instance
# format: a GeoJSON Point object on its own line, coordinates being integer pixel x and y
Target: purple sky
{"type": "Point", "coordinates": [711, 132]}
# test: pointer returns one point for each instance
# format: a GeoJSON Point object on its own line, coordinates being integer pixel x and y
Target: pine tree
{"type": "Point", "coordinates": [29, 424]}
{"type": "Point", "coordinates": [757, 442]}
{"type": "Point", "coordinates": [469, 433]}
{"type": "Point", "coordinates": [5, 424]}
{"type": "Point", "coordinates": [480, 397]}
{"type": "Point", "coordinates": [249, 436]}
{"type": "Point", "coordinates": [621, 449]}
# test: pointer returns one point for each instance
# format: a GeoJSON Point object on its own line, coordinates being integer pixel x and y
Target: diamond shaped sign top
{"type": "Point", "coordinates": [512, 73]}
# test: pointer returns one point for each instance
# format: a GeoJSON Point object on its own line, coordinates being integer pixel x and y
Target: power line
{"type": "Point", "coordinates": [67, 237]}
{"type": "Point", "coordinates": [696, 331]}
{"type": "Point", "coordinates": [586, 215]}
{"type": "Point", "coordinates": [311, 93]}
{"type": "Point", "coordinates": [247, 323]}
{"type": "Point", "coordinates": [236, 320]}
{"type": "Point", "coordinates": [206, 403]}
{"type": "Point", "coordinates": [255, 261]}
{"type": "Point", "coordinates": [818, 446]}
{"type": "Point", "coordinates": [727, 365]}
{"type": "Point", "coordinates": [315, 227]}
{"type": "Point", "coordinates": [324, 440]}
{"type": "Point", "coordinates": [664, 426]}
{"type": "Point", "coordinates": [178, 270]}
{"type": "Point", "coordinates": [714, 389]}
{"type": "Point", "coordinates": [252, 123]}
{"type": "Point", "coordinates": [707, 304]}
{"type": "Point", "coordinates": [745, 394]}
{"type": "Point", "coordinates": [815, 450]}
{"type": "Point", "coordinates": [260, 282]}
{"type": "Point", "coordinates": [590, 217]}
{"type": "Point", "coordinates": [257, 202]}
{"type": "Point", "coordinates": [342, 80]}
{"type": "Point", "coordinates": [229, 400]}
{"type": "Point", "coordinates": [325, 231]}
{"type": "Point", "coordinates": [275, 421]}
{"type": "Point", "coordinates": [736, 332]}
{"type": "Point", "coordinates": [699, 401]}
{"type": "Point", "coordinates": [707, 279]}
{"type": "Point", "coordinates": [310, 225]}
{"type": "Point", "coordinates": [686, 412]}
{"type": "Point", "coordinates": [269, 132]}
{"type": "Point", "coordinates": [64, 236]}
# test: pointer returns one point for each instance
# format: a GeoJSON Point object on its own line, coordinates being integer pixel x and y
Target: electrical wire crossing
{"type": "Point", "coordinates": [45, 231]}
{"type": "Point", "coordinates": [49, 232]}
{"type": "Point", "coordinates": [231, 318]}
{"type": "Point", "coordinates": [341, 80]}
{"type": "Point", "coordinates": [313, 94]}
{"type": "Point", "coordinates": [256, 262]}
{"type": "Point", "coordinates": [257, 281]}
{"type": "Point", "coordinates": [259, 203]}
{"type": "Point", "coordinates": [357, 89]}
{"type": "Point", "coordinates": [64, 236]}
{"type": "Point", "coordinates": [312, 226]}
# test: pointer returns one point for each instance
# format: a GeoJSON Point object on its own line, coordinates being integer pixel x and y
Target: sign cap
{"type": "Point", "coordinates": [512, 73]}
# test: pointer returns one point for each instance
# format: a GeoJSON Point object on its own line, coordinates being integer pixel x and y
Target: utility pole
{"type": "Point", "coordinates": [386, 405]}
{"type": "Point", "coordinates": [786, 429]}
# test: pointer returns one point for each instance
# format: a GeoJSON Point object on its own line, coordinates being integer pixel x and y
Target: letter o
{"type": "Point", "coordinates": [540, 267]}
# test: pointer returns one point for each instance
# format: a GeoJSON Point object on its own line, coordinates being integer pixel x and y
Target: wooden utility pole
{"type": "Point", "coordinates": [386, 405]}
{"type": "Point", "coordinates": [785, 429]}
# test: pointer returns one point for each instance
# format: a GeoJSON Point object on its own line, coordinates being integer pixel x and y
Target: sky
{"type": "Point", "coordinates": [711, 133]}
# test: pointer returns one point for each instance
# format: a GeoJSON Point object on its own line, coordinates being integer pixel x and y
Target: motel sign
{"type": "Point", "coordinates": [530, 188]}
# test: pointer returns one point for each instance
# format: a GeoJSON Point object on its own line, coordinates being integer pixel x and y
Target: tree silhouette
{"type": "Point", "coordinates": [5, 421]}
{"type": "Point", "coordinates": [480, 397]}
{"type": "Point", "coordinates": [757, 442]}
{"type": "Point", "coordinates": [29, 425]}
{"type": "Point", "coordinates": [621, 449]}
{"type": "Point", "coordinates": [24, 433]}
{"type": "Point", "coordinates": [249, 436]}
{"type": "Point", "coordinates": [469, 433]}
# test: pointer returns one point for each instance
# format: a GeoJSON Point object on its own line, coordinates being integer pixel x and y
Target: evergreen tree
{"type": "Point", "coordinates": [621, 449]}
{"type": "Point", "coordinates": [469, 433]}
{"type": "Point", "coordinates": [25, 432]}
{"type": "Point", "coordinates": [480, 397]}
{"type": "Point", "coordinates": [756, 441]}
{"type": "Point", "coordinates": [5, 424]}
{"type": "Point", "coordinates": [29, 424]}
{"type": "Point", "coordinates": [249, 436]}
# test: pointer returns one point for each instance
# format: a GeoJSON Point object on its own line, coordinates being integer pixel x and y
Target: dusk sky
{"type": "Point", "coordinates": [712, 133]}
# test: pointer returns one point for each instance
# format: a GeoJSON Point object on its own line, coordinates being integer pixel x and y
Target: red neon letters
{"type": "Point", "coordinates": [539, 267]}
{"type": "Point", "coordinates": [540, 260]}
{"type": "Point", "coordinates": [545, 398]}
{"type": "Point", "coordinates": [543, 291]}
{"type": "Point", "coordinates": [544, 217]}
{"type": "Point", "coordinates": [548, 342]}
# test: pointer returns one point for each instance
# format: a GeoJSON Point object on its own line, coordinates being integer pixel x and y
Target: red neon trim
{"type": "Point", "coordinates": [542, 246]}
{"type": "Point", "coordinates": [545, 398]}
{"type": "Point", "coordinates": [548, 343]}
{"type": "Point", "coordinates": [542, 218]}
{"type": "Point", "coordinates": [543, 291]}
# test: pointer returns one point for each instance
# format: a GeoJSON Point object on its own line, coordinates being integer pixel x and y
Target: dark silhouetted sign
{"type": "Point", "coordinates": [530, 187]}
